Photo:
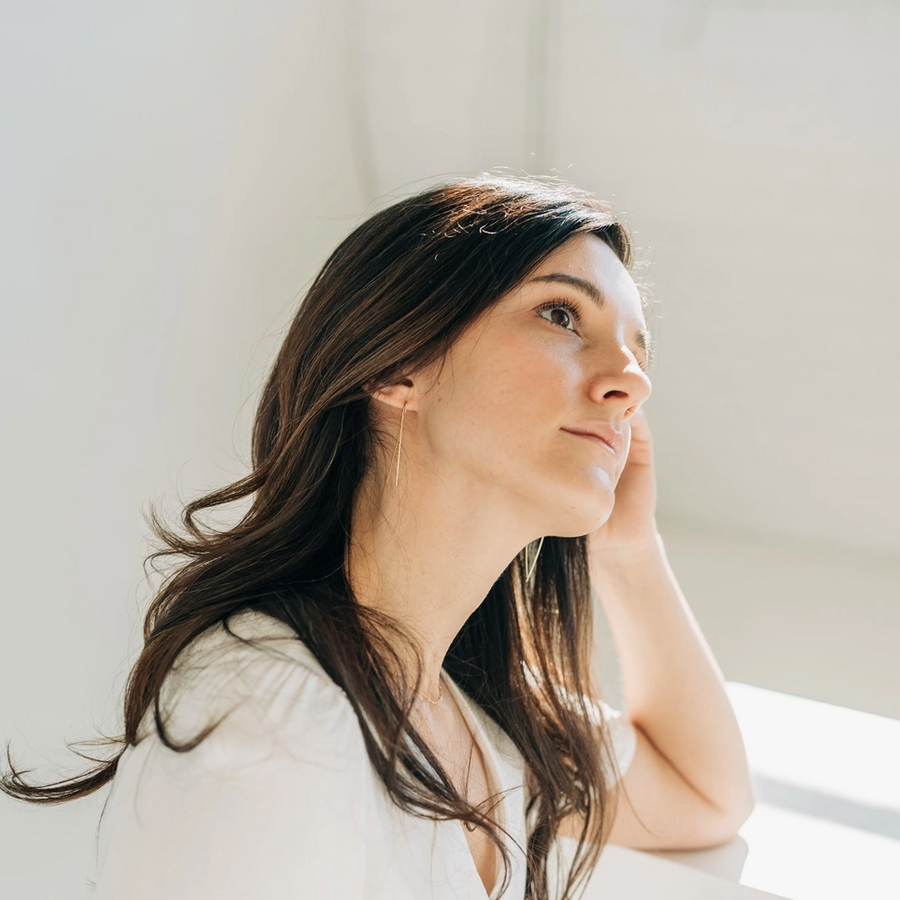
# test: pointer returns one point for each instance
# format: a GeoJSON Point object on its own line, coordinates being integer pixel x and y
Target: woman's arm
{"type": "Point", "coordinates": [689, 779]}
{"type": "Point", "coordinates": [675, 694]}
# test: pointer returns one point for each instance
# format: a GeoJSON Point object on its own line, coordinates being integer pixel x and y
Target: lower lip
{"type": "Point", "coordinates": [595, 439]}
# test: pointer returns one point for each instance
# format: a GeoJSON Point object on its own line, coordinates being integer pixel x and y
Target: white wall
{"type": "Point", "coordinates": [171, 179]}
{"type": "Point", "coordinates": [799, 617]}
{"type": "Point", "coordinates": [173, 174]}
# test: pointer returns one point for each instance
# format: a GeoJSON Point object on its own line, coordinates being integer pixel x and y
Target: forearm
{"type": "Point", "coordinates": [674, 689]}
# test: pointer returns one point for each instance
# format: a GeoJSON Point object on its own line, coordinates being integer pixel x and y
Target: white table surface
{"type": "Point", "coordinates": [624, 874]}
{"type": "Point", "coordinates": [827, 819]}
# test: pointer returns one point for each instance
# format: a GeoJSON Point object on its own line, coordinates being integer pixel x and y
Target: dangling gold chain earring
{"type": "Point", "coordinates": [529, 565]}
{"type": "Point", "coordinates": [399, 444]}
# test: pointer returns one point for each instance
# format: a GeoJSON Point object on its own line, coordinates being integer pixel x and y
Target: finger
{"type": "Point", "coordinates": [640, 427]}
{"type": "Point", "coordinates": [623, 459]}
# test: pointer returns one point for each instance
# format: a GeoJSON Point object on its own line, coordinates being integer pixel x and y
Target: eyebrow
{"type": "Point", "coordinates": [586, 287]}
{"type": "Point", "coordinates": [641, 336]}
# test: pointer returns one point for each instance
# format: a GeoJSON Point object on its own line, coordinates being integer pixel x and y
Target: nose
{"type": "Point", "coordinates": [618, 381]}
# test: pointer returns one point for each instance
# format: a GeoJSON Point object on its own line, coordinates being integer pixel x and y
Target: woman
{"type": "Point", "coordinates": [376, 683]}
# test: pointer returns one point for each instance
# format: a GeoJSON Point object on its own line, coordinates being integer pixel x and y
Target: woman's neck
{"type": "Point", "coordinates": [429, 563]}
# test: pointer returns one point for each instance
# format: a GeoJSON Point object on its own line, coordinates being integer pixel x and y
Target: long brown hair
{"type": "Point", "coordinates": [393, 297]}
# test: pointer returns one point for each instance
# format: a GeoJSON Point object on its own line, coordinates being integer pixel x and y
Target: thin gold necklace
{"type": "Point", "coordinates": [440, 695]}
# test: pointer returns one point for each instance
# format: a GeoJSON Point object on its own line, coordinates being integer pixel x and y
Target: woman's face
{"type": "Point", "coordinates": [562, 352]}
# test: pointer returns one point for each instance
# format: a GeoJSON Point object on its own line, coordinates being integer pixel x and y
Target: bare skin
{"type": "Point", "coordinates": [487, 465]}
{"type": "Point", "coordinates": [444, 728]}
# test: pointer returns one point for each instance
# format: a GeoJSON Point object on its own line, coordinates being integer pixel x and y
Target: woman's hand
{"type": "Point", "coordinates": [631, 528]}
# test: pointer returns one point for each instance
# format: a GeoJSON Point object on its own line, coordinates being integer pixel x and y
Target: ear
{"type": "Point", "coordinates": [399, 395]}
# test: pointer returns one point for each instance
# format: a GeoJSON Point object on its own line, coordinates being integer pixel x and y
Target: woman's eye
{"type": "Point", "coordinates": [563, 314]}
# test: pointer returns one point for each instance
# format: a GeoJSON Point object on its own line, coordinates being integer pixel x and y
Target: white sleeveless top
{"type": "Point", "coordinates": [280, 801]}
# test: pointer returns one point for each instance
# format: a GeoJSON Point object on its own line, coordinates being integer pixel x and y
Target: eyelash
{"type": "Point", "coordinates": [573, 312]}
{"type": "Point", "coordinates": [561, 304]}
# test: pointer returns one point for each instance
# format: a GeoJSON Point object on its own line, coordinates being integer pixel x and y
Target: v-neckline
{"type": "Point", "coordinates": [491, 771]}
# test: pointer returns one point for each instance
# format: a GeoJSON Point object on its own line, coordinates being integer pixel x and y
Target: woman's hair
{"type": "Point", "coordinates": [392, 298]}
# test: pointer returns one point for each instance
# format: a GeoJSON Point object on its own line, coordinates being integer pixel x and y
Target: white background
{"type": "Point", "coordinates": [173, 174]}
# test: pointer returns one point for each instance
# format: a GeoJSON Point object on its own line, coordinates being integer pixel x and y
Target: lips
{"type": "Point", "coordinates": [605, 434]}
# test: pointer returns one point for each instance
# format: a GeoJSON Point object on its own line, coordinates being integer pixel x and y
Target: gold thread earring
{"type": "Point", "coordinates": [399, 445]}
{"type": "Point", "coordinates": [529, 565]}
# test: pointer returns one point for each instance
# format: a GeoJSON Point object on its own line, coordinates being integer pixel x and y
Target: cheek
{"type": "Point", "coordinates": [526, 391]}
{"type": "Point", "coordinates": [479, 416]}
{"type": "Point", "coordinates": [498, 394]}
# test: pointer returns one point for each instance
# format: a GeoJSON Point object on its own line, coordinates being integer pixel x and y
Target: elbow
{"type": "Point", "coordinates": [726, 821]}
{"type": "Point", "coordinates": [748, 807]}
{"type": "Point", "coordinates": [738, 814]}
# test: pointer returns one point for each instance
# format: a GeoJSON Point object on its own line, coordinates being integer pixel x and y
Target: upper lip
{"type": "Point", "coordinates": [605, 432]}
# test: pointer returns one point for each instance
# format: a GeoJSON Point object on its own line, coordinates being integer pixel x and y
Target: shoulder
{"type": "Point", "coordinates": [264, 688]}
{"type": "Point", "coordinates": [277, 795]}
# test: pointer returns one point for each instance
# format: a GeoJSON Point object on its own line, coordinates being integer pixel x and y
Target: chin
{"type": "Point", "coordinates": [583, 518]}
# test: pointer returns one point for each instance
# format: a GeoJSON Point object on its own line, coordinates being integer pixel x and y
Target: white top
{"type": "Point", "coordinates": [281, 801]}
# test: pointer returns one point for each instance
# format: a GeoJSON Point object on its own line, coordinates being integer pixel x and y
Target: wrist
{"type": "Point", "coordinates": [623, 559]}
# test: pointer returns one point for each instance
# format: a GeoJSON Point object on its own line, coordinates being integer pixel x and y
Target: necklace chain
{"type": "Point", "coordinates": [440, 695]}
